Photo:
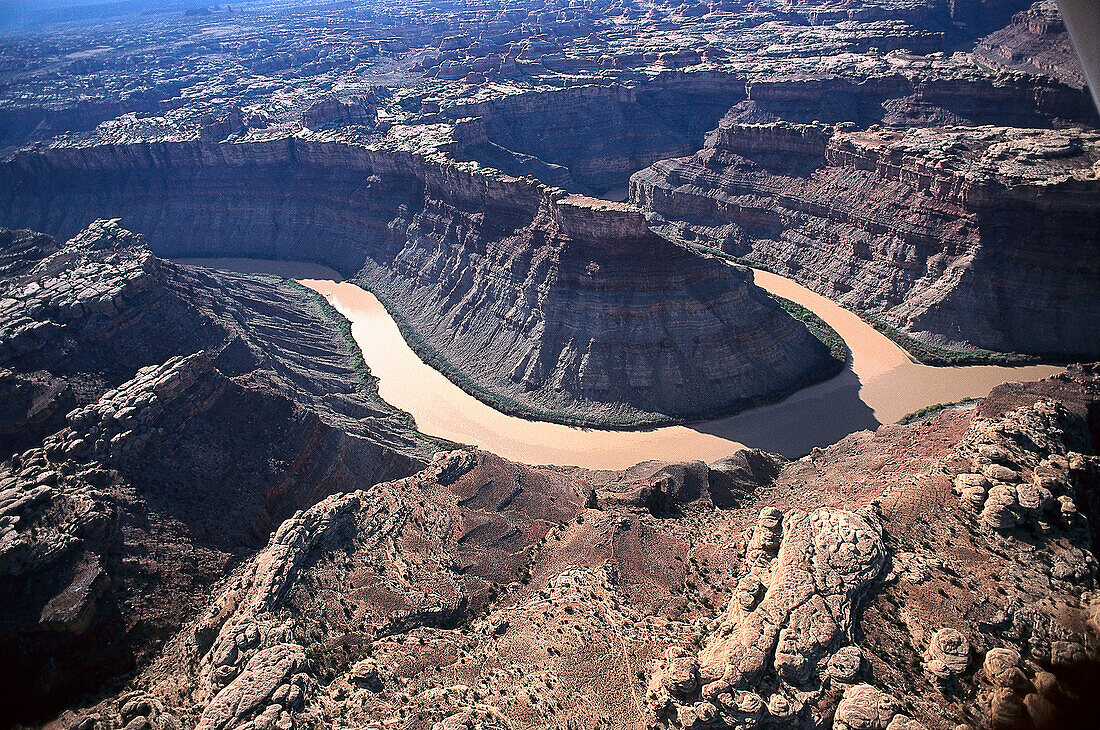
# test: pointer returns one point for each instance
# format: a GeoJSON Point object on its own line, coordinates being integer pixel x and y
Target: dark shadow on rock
{"type": "Point", "coordinates": [817, 416]}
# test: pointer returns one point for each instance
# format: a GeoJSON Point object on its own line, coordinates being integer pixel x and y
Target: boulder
{"type": "Point", "coordinates": [263, 674]}
{"type": "Point", "coordinates": [948, 655]}
{"type": "Point", "coordinates": [864, 707]}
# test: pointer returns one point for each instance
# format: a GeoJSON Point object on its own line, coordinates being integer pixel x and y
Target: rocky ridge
{"type": "Point", "coordinates": [814, 598]}
{"type": "Point", "coordinates": [115, 487]}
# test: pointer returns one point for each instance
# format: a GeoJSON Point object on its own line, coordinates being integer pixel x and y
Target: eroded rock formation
{"type": "Point", "coordinates": [590, 139]}
{"type": "Point", "coordinates": [1035, 42]}
{"type": "Point", "coordinates": [116, 495]}
{"type": "Point", "coordinates": [851, 587]}
{"type": "Point", "coordinates": [790, 613]}
{"type": "Point", "coordinates": [208, 519]}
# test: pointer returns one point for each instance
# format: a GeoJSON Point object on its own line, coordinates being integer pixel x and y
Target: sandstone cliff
{"type": "Point", "coordinates": [562, 307]}
{"type": "Point", "coordinates": [961, 237]}
{"type": "Point", "coordinates": [910, 98]}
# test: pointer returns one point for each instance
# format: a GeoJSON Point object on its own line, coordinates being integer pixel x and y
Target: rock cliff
{"type": "Point", "coordinates": [563, 307]}
{"type": "Point", "coordinates": [910, 98]}
{"type": "Point", "coordinates": [589, 139]}
{"type": "Point", "coordinates": [961, 237]}
{"type": "Point", "coordinates": [1035, 42]}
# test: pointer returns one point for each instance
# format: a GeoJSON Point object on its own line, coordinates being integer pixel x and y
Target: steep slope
{"type": "Point", "coordinates": [179, 416]}
{"type": "Point", "coordinates": [980, 237]}
{"type": "Point", "coordinates": [1035, 42]}
{"type": "Point", "coordinates": [562, 307]}
{"type": "Point", "coordinates": [597, 320]}
{"type": "Point", "coordinates": [589, 139]}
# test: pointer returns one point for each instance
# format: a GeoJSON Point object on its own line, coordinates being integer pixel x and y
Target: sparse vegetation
{"type": "Point", "coordinates": [932, 410]}
{"type": "Point", "coordinates": [928, 354]}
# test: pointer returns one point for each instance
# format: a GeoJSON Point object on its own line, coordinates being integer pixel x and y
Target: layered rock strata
{"type": "Point", "coordinates": [590, 139]}
{"type": "Point", "coordinates": [909, 98]}
{"type": "Point", "coordinates": [563, 307]}
{"type": "Point", "coordinates": [1035, 42]}
{"type": "Point", "coordinates": [937, 232]}
{"type": "Point", "coordinates": [176, 421]}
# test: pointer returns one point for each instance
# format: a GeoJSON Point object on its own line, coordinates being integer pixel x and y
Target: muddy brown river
{"type": "Point", "coordinates": [880, 384]}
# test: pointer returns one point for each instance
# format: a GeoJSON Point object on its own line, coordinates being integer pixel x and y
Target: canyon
{"type": "Point", "coordinates": [547, 364]}
{"type": "Point", "coordinates": [481, 591]}
{"type": "Point", "coordinates": [879, 384]}
{"type": "Point", "coordinates": [586, 316]}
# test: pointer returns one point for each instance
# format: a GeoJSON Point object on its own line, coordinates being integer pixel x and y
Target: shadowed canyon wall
{"type": "Point", "coordinates": [590, 139]}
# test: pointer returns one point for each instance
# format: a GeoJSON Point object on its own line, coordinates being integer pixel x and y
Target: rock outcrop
{"type": "Point", "coordinates": [113, 506]}
{"type": "Point", "coordinates": [1035, 42]}
{"type": "Point", "coordinates": [864, 707]}
{"type": "Point", "coordinates": [788, 626]}
{"type": "Point", "coordinates": [849, 587]}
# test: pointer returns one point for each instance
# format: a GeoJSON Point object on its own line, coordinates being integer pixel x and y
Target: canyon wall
{"type": "Point", "coordinates": [983, 237]}
{"type": "Point", "coordinates": [590, 139]}
{"type": "Point", "coordinates": [907, 99]}
{"type": "Point", "coordinates": [1035, 41]}
{"type": "Point", "coordinates": [567, 308]}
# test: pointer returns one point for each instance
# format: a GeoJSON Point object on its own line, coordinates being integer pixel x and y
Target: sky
{"type": "Point", "coordinates": [16, 14]}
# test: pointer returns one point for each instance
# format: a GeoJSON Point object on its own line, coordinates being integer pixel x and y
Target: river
{"type": "Point", "coordinates": [880, 384]}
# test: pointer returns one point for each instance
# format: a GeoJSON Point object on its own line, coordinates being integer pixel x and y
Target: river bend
{"type": "Point", "coordinates": [879, 384]}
